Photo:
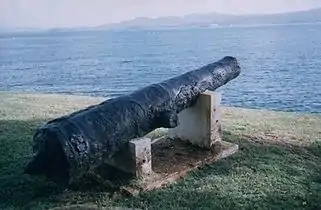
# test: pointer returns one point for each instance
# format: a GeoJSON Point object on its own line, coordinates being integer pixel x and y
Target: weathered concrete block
{"type": "Point", "coordinates": [135, 158]}
{"type": "Point", "coordinates": [141, 150]}
{"type": "Point", "coordinates": [200, 124]}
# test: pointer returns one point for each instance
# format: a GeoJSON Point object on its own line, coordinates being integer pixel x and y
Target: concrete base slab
{"type": "Point", "coordinates": [171, 160]}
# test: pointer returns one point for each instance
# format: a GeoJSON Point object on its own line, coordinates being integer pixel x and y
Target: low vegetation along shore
{"type": "Point", "coordinates": [278, 165]}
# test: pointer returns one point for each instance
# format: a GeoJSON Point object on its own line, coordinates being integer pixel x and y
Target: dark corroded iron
{"type": "Point", "coordinates": [68, 147]}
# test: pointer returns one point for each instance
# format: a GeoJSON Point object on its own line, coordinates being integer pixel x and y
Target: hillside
{"type": "Point", "coordinates": [215, 19]}
{"type": "Point", "coordinates": [190, 21]}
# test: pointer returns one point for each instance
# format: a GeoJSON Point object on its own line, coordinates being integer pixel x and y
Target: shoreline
{"type": "Point", "coordinates": [101, 98]}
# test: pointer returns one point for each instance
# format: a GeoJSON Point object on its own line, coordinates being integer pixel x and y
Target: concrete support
{"type": "Point", "coordinates": [135, 159]}
{"type": "Point", "coordinates": [200, 124]}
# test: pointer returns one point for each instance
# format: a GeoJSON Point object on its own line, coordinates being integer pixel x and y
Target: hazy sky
{"type": "Point", "coordinates": [62, 13]}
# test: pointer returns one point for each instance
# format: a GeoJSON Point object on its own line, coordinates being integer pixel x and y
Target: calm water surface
{"type": "Point", "coordinates": [281, 65]}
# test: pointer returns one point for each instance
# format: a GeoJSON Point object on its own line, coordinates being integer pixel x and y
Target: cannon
{"type": "Point", "coordinates": [67, 147]}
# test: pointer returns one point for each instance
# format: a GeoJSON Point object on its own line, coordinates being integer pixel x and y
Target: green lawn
{"type": "Point", "coordinates": [278, 165]}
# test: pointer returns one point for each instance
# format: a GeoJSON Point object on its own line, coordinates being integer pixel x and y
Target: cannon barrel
{"type": "Point", "coordinates": [69, 146]}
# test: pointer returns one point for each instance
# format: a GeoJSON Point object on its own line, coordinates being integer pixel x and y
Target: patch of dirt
{"type": "Point", "coordinates": [169, 156]}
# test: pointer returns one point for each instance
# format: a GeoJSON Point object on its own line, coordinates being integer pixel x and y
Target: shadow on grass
{"type": "Point", "coordinates": [261, 175]}
{"type": "Point", "coordinates": [18, 190]}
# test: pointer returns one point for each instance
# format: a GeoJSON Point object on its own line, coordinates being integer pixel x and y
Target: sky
{"type": "Point", "coordinates": [75, 13]}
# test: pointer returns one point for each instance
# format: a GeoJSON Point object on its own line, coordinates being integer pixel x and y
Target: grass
{"type": "Point", "coordinates": [278, 165]}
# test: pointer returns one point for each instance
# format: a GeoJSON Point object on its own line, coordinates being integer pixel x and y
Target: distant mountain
{"type": "Point", "coordinates": [192, 20]}
{"type": "Point", "coordinates": [215, 19]}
